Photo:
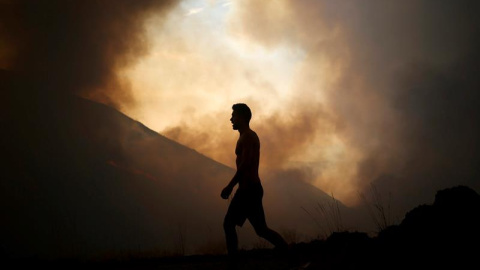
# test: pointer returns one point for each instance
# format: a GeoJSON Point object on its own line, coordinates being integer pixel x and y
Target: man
{"type": "Point", "coordinates": [247, 202]}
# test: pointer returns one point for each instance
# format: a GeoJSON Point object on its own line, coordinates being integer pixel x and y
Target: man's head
{"type": "Point", "coordinates": [241, 116]}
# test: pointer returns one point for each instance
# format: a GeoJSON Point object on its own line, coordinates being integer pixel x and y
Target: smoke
{"type": "Point", "coordinates": [406, 97]}
{"type": "Point", "coordinates": [386, 93]}
{"type": "Point", "coordinates": [379, 92]}
{"type": "Point", "coordinates": [76, 47]}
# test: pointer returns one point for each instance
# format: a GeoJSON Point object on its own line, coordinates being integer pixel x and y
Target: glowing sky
{"type": "Point", "coordinates": [201, 62]}
{"type": "Point", "coordinates": [343, 93]}
{"type": "Point", "coordinates": [198, 64]}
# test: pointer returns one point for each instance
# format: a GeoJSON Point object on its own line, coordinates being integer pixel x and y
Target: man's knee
{"type": "Point", "coordinates": [262, 231]}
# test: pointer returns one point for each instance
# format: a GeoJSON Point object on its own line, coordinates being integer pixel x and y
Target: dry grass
{"type": "Point", "coordinates": [327, 217]}
{"type": "Point", "coordinates": [379, 210]}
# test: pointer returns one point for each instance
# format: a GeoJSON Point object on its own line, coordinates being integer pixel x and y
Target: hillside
{"type": "Point", "coordinates": [87, 179]}
{"type": "Point", "coordinates": [81, 179]}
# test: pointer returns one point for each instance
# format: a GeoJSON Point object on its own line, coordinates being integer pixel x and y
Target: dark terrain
{"type": "Point", "coordinates": [434, 236]}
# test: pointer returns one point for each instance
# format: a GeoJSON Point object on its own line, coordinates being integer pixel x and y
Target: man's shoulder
{"type": "Point", "coordinates": [251, 136]}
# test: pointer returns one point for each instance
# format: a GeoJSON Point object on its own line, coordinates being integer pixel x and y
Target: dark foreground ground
{"type": "Point", "coordinates": [346, 250]}
{"type": "Point", "coordinates": [443, 235]}
{"type": "Point", "coordinates": [254, 259]}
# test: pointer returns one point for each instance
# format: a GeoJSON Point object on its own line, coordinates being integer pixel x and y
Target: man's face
{"type": "Point", "coordinates": [235, 120]}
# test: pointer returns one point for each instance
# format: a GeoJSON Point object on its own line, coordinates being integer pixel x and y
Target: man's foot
{"type": "Point", "coordinates": [282, 250]}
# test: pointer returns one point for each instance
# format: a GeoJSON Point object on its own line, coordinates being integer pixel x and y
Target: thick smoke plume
{"type": "Point", "coordinates": [391, 85]}
{"type": "Point", "coordinates": [76, 47]}
{"type": "Point", "coordinates": [386, 92]}
{"type": "Point", "coordinates": [407, 93]}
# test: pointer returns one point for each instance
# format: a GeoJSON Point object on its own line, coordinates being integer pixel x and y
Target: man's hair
{"type": "Point", "coordinates": [243, 110]}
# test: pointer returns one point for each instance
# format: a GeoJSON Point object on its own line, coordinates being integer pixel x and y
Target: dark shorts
{"type": "Point", "coordinates": [246, 205]}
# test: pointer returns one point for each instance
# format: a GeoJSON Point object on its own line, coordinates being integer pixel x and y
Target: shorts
{"type": "Point", "coordinates": [246, 205]}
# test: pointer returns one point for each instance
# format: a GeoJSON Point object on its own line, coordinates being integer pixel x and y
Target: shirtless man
{"type": "Point", "coordinates": [247, 201]}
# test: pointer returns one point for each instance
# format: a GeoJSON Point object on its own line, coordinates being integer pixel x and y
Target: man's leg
{"type": "Point", "coordinates": [260, 225]}
{"type": "Point", "coordinates": [230, 235]}
{"type": "Point", "coordinates": [235, 216]}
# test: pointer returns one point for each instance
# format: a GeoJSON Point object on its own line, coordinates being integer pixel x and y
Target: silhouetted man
{"type": "Point", "coordinates": [247, 202]}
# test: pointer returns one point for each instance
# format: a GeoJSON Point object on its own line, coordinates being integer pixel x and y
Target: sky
{"type": "Point", "coordinates": [344, 94]}
{"type": "Point", "coordinates": [202, 61]}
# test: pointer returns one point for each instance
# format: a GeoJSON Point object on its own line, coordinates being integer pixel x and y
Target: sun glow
{"type": "Point", "coordinates": [199, 65]}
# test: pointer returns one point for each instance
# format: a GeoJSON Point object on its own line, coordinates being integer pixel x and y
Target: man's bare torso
{"type": "Point", "coordinates": [248, 152]}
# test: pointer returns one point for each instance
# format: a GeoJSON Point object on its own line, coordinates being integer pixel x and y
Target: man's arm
{"type": "Point", "coordinates": [244, 165]}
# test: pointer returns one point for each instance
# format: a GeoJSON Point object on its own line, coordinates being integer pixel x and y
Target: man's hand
{"type": "Point", "coordinates": [226, 192]}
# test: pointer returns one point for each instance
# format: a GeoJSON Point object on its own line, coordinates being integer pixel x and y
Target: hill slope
{"type": "Point", "coordinates": [81, 179]}
{"type": "Point", "coordinates": [87, 178]}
